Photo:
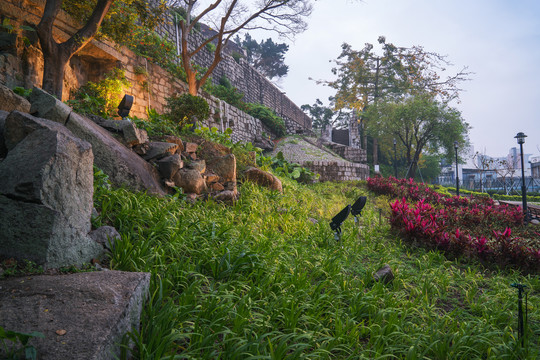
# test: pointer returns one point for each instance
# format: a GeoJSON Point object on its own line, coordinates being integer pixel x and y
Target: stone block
{"type": "Point", "coordinates": [224, 167]}
{"type": "Point", "coordinates": [94, 310]}
{"type": "Point", "coordinates": [9, 101]}
{"type": "Point", "coordinates": [190, 180]}
{"type": "Point", "coordinates": [158, 150]}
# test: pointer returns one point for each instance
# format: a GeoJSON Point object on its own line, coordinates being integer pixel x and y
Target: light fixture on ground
{"type": "Point", "coordinates": [521, 140]}
{"type": "Point", "coordinates": [395, 157]}
{"type": "Point", "coordinates": [125, 106]}
{"type": "Point", "coordinates": [337, 220]}
{"type": "Point", "coordinates": [457, 171]}
{"type": "Point", "coordinates": [356, 208]}
{"type": "Point", "coordinates": [521, 322]}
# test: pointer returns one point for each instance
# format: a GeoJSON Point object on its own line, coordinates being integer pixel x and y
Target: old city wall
{"type": "Point", "coordinates": [22, 65]}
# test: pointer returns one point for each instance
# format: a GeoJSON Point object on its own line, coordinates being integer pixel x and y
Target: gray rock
{"type": "Point", "coordinates": [263, 143]}
{"type": "Point", "coordinates": [8, 42]}
{"type": "Point", "coordinates": [263, 178]}
{"type": "Point", "coordinates": [123, 166]}
{"type": "Point", "coordinates": [10, 101]}
{"type": "Point", "coordinates": [3, 148]}
{"type": "Point", "coordinates": [384, 274]}
{"type": "Point", "coordinates": [132, 135]}
{"type": "Point", "coordinates": [199, 165]}
{"type": "Point", "coordinates": [95, 309]}
{"type": "Point", "coordinates": [168, 166]}
{"type": "Point", "coordinates": [190, 180]}
{"type": "Point", "coordinates": [106, 236]}
{"type": "Point", "coordinates": [46, 188]}
{"type": "Point", "coordinates": [158, 150]}
{"type": "Point", "coordinates": [226, 196]}
{"type": "Point", "coordinates": [224, 167]}
{"type": "Point", "coordinates": [175, 140]}
{"type": "Point", "coordinates": [18, 125]}
{"type": "Point", "coordinates": [48, 107]}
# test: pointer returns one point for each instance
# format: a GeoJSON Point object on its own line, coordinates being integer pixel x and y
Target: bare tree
{"type": "Point", "coordinates": [56, 55]}
{"type": "Point", "coordinates": [286, 17]}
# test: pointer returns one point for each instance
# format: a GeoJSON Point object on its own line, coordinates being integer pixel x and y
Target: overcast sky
{"type": "Point", "coordinates": [499, 40]}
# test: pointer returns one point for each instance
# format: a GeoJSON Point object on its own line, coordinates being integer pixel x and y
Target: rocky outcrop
{"type": "Point", "coordinates": [46, 194]}
{"type": "Point", "coordinates": [123, 166]}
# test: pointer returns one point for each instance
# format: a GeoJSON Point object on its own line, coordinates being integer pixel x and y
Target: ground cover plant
{"type": "Point", "coordinates": [265, 279]}
{"type": "Point", "coordinates": [461, 226]}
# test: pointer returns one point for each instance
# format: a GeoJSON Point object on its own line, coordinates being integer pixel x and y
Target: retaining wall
{"type": "Point", "coordinates": [338, 171]}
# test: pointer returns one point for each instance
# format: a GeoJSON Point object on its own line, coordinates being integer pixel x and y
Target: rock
{"type": "Point", "coordinates": [175, 140]}
{"type": "Point", "coordinates": [384, 274]}
{"type": "Point", "coordinates": [226, 196]}
{"type": "Point", "coordinates": [199, 165]}
{"type": "Point", "coordinates": [3, 148]}
{"type": "Point", "coordinates": [10, 101]}
{"type": "Point", "coordinates": [191, 197]}
{"type": "Point", "coordinates": [46, 194]}
{"type": "Point", "coordinates": [158, 150]}
{"type": "Point", "coordinates": [110, 125]}
{"type": "Point", "coordinates": [217, 187]}
{"type": "Point", "coordinates": [8, 42]}
{"type": "Point", "coordinates": [264, 178]}
{"type": "Point", "coordinates": [48, 107]}
{"type": "Point", "coordinates": [224, 167]}
{"type": "Point", "coordinates": [106, 236]}
{"type": "Point", "coordinates": [132, 135]}
{"type": "Point", "coordinates": [123, 166]}
{"type": "Point", "coordinates": [141, 149]}
{"type": "Point", "coordinates": [313, 221]}
{"type": "Point", "coordinates": [191, 147]}
{"type": "Point", "coordinates": [211, 178]}
{"type": "Point", "coordinates": [190, 180]}
{"type": "Point", "coordinates": [168, 166]}
{"type": "Point", "coordinates": [263, 143]}
{"type": "Point", "coordinates": [95, 310]}
{"type": "Point", "coordinates": [535, 222]}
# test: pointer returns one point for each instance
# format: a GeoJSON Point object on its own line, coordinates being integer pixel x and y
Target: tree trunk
{"type": "Point", "coordinates": [55, 62]}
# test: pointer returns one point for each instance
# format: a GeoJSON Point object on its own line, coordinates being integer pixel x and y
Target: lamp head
{"type": "Point", "coordinates": [340, 218]}
{"type": "Point", "coordinates": [520, 138]}
{"type": "Point", "coordinates": [125, 106]}
{"type": "Point", "coordinates": [395, 142]}
{"type": "Point", "coordinates": [455, 144]}
{"type": "Point", "coordinates": [356, 208]}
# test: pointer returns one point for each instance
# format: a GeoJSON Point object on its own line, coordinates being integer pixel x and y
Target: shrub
{"type": "Point", "coordinates": [268, 117]}
{"type": "Point", "coordinates": [228, 93]}
{"type": "Point", "coordinates": [100, 98]}
{"type": "Point", "coordinates": [187, 108]}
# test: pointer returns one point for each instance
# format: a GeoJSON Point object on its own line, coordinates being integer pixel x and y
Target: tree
{"type": "Point", "coordinates": [267, 56]}
{"type": "Point", "coordinates": [417, 123]}
{"type": "Point", "coordinates": [363, 77]}
{"type": "Point", "coordinates": [56, 55]}
{"type": "Point", "coordinates": [321, 115]}
{"type": "Point", "coordinates": [229, 17]}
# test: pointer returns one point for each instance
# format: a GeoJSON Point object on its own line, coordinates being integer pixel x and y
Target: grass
{"type": "Point", "coordinates": [259, 280]}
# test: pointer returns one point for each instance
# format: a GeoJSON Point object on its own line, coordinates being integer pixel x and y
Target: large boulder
{"type": "Point", "coordinates": [224, 167]}
{"type": "Point", "coordinates": [122, 165]}
{"type": "Point", "coordinates": [10, 101]}
{"type": "Point", "coordinates": [263, 178]}
{"type": "Point", "coordinates": [46, 190]}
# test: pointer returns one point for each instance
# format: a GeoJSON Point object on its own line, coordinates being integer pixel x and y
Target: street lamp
{"type": "Point", "coordinates": [395, 157]}
{"type": "Point", "coordinates": [521, 140]}
{"type": "Point", "coordinates": [457, 176]}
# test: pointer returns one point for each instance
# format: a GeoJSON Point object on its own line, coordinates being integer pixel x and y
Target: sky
{"type": "Point", "coordinates": [498, 40]}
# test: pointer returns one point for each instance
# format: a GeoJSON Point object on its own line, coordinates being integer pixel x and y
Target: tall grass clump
{"type": "Point", "coordinates": [265, 279]}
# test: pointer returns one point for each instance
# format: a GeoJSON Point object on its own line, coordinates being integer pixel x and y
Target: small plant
{"type": "Point", "coordinates": [22, 91]}
{"type": "Point", "coordinates": [157, 125]}
{"type": "Point", "coordinates": [100, 98]}
{"type": "Point", "coordinates": [187, 108]}
{"type": "Point", "coordinates": [268, 117]}
{"type": "Point", "coordinates": [211, 47]}
{"type": "Point", "coordinates": [237, 56]}
{"type": "Point", "coordinates": [24, 350]}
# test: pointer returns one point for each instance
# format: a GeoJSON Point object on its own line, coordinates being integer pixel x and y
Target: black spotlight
{"type": "Point", "coordinates": [356, 208]}
{"type": "Point", "coordinates": [125, 106]}
{"type": "Point", "coordinates": [337, 220]}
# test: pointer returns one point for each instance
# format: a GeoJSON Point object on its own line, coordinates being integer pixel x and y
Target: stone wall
{"type": "Point", "coordinates": [353, 154]}
{"type": "Point", "coordinates": [256, 87]}
{"type": "Point", "coordinates": [338, 171]}
{"type": "Point", "coordinates": [22, 65]}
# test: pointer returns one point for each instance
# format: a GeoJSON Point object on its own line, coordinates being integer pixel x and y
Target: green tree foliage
{"type": "Point", "coordinates": [417, 123]}
{"type": "Point", "coordinates": [187, 108]}
{"type": "Point", "coordinates": [267, 56]}
{"type": "Point", "coordinates": [320, 114]}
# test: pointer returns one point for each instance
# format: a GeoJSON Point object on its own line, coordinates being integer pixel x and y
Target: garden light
{"type": "Point", "coordinates": [457, 171]}
{"type": "Point", "coordinates": [337, 220]}
{"type": "Point", "coordinates": [125, 106]}
{"type": "Point", "coordinates": [521, 323]}
{"type": "Point", "coordinates": [356, 208]}
{"type": "Point", "coordinates": [395, 159]}
{"type": "Point", "coordinates": [521, 140]}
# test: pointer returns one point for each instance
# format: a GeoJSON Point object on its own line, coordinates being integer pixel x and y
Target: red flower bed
{"type": "Point", "coordinates": [460, 226]}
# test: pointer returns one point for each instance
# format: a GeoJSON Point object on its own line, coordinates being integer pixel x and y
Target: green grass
{"type": "Point", "coordinates": [259, 280]}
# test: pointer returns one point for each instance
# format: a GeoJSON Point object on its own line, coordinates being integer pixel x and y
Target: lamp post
{"type": "Point", "coordinates": [457, 173]}
{"type": "Point", "coordinates": [395, 157]}
{"type": "Point", "coordinates": [521, 140]}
